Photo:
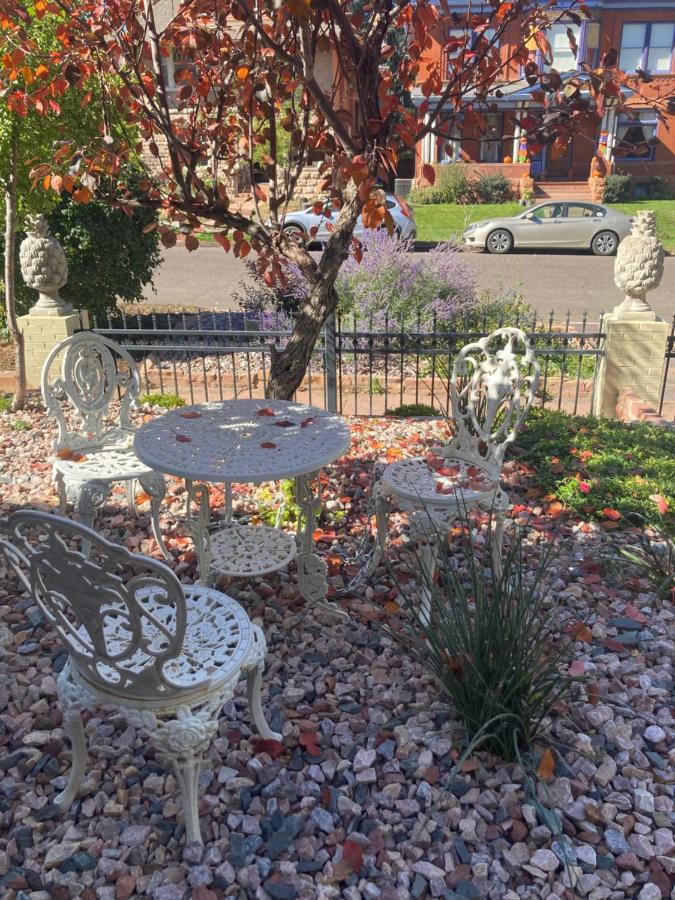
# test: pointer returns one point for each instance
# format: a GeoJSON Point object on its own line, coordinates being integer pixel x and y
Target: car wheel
{"type": "Point", "coordinates": [605, 243]}
{"type": "Point", "coordinates": [295, 233]}
{"type": "Point", "coordinates": [499, 241]}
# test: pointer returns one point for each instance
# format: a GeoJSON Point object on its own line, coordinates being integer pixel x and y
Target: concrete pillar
{"type": "Point", "coordinates": [635, 347]}
{"type": "Point", "coordinates": [41, 333]}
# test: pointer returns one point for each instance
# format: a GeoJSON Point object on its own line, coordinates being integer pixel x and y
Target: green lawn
{"type": "Point", "coordinates": [442, 221]}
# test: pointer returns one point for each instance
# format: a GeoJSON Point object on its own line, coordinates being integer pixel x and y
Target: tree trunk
{"type": "Point", "coordinates": [289, 365]}
{"type": "Point", "coordinates": [10, 262]}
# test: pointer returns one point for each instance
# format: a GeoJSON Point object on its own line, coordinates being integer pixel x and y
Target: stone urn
{"type": "Point", "coordinates": [638, 267]}
{"type": "Point", "coordinates": [44, 268]}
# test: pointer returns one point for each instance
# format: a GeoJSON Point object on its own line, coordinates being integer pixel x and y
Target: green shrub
{"type": "Point", "coordinates": [451, 186]}
{"type": "Point", "coordinates": [492, 643]}
{"type": "Point", "coordinates": [600, 467]}
{"type": "Point", "coordinates": [617, 188]}
{"type": "Point", "coordinates": [110, 258]}
{"type": "Point", "coordinates": [494, 188]}
{"type": "Point", "coordinates": [659, 189]}
{"type": "Point", "coordinates": [5, 404]}
{"type": "Point", "coordinates": [166, 401]}
{"type": "Point", "coordinates": [411, 410]}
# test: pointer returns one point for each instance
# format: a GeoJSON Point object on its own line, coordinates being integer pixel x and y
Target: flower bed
{"type": "Point", "coordinates": [363, 798]}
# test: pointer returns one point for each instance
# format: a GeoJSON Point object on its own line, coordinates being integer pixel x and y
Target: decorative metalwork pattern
{"type": "Point", "coordinates": [93, 370]}
{"type": "Point", "coordinates": [121, 616]}
{"type": "Point", "coordinates": [244, 550]}
{"type": "Point", "coordinates": [493, 387]}
{"type": "Point", "coordinates": [456, 482]}
{"type": "Point", "coordinates": [167, 659]}
{"type": "Point", "coordinates": [242, 441]}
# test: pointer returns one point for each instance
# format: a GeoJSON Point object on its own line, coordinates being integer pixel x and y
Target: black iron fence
{"type": "Point", "coordinates": [358, 367]}
{"type": "Point", "coordinates": [670, 355]}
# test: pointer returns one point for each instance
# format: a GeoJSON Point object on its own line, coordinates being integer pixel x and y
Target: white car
{"type": "Point", "coordinates": [556, 224]}
{"type": "Point", "coordinates": [301, 223]}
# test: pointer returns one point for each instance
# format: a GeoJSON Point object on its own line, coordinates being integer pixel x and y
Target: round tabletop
{"type": "Point", "coordinates": [242, 441]}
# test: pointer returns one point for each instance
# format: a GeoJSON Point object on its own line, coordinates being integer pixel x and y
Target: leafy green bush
{"type": "Point", "coordinates": [411, 410]}
{"type": "Point", "coordinates": [5, 404]}
{"type": "Point", "coordinates": [600, 467]}
{"type": "Point", "coordinates": [492, 643]}
{"type": "Point", "coordinates": [659, 189]}
{"type": "Point", "coordinates": [166, 401]}
{"type": "Point", "coordinates": [451, 186]}
{"type": "Point", "coordinates": [617, 188]}
{"type": "Point", "coordinates": [495, 188]}
{"type": "Point", "coordinates": [110, 258]}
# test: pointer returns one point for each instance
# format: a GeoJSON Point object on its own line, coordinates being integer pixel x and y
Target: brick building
{"type": "Point", "coordinates": [631, 140]}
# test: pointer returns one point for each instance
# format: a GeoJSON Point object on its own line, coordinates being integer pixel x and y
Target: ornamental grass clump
{"type": "Point", "coordinates": [495, 645]}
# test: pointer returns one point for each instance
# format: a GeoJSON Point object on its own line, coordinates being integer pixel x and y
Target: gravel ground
{"type": "Point", "coordinates": [381, 810]}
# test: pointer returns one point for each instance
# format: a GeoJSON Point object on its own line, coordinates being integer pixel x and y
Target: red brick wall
{"type": "Point", "coordinates": [630, 408]}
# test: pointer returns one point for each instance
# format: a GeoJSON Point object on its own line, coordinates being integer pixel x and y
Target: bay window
{"type": "Point", "coordinates": [635, 135]}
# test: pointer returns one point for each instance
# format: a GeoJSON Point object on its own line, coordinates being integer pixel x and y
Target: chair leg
{"type": "Point", "coordinates": [253, 688]}
{"type": "Point", "coordinates": [155, 485]}
{"type": "Point", "coordinates": [62, 492]}
{"type": "Point", "coordinates": [89, 495]}
{"type": "Point", "coordinates": [501, 506]}
{"type": "Point", "coordinates": [428, 567]}
{"type": "Point", "coordinates": [255, 667]}
{"type": "Point", "coordinates": [184, 740]}
{"type": "Point", "coordinates": [381, 515]}
{"type": "Point", "coordinates": [71, 699]}
{"type": "Point", "coordinates": [131, 496]}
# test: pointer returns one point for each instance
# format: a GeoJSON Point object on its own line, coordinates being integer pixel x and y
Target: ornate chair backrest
{"type": "Point", "coordinates": [93, 372]}
{"type": "Point", "coordinates": [494, 381]}
{"type": "Point", "coordinates": [122, 616]}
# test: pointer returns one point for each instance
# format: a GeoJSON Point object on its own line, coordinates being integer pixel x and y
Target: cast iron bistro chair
{"type": "Point", "coordinates": [93, 372]}
{"type": "Point", "coordinates": [494, 381]}
{"type": "Point", "coordinates": [166, 656]}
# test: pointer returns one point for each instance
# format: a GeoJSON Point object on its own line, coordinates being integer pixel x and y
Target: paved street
{"type": "Point", "coordinates": [209, 277]}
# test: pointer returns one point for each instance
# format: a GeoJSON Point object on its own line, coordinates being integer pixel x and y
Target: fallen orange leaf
{"type": "Point", "coordinates": [546, 765]}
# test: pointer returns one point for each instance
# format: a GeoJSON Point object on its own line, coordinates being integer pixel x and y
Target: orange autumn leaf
{"type": "Point", "coordinates": [65, 453]}
{"type": "Point", "coordinates": [82, 195]}
{"type": "Point", "coordinates": [583, 634]}
{"type": "Point", "coordinates": [593, 694]}
{"type": "Point", "coordinates": [268, 445]}
{"type": "Point", "coordinates": [546, 765]}
{"type": "Point", "coordinates": [392, 608]}
{"type": "Point", "coordinates": [612, 514]}
{"type": "Point", "coordinates": [142, 498]}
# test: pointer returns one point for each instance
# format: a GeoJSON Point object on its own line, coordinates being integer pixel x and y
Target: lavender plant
{"type": "Point", "coordinates": [394, 284]}
{"type": "Point", "coordinates": [390, 284]}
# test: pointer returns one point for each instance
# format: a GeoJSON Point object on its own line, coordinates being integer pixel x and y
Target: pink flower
{"type": "Point", "coordinates": [584, 487]}
{"type": "Point", "coordinates": [661, 503]}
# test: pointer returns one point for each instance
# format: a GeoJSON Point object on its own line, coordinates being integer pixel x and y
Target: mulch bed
{"type": "Point", "coordinates": [362, 797]}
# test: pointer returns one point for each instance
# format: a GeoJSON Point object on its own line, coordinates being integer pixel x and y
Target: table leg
{"type": "Point", "coordinates": [312, 569]}
{"type": "Point", "coordinates": [198, 526]}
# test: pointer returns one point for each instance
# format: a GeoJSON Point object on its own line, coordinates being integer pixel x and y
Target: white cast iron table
{"type": "Point", "coordinates": [249, 441]}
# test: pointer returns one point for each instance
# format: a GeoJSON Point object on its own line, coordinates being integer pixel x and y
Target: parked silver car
{"type": "Point", "coordinates": [551, 225]}
{"type": "Point", "coordinates": [302, 222]}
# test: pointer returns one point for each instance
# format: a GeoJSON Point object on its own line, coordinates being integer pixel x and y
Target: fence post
{"type": "Point", "coordinates": [635, 337]}
{"type": "Point", "coordinates": [331, 364]}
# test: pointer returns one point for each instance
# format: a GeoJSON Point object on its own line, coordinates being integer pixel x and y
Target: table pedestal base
{"type": "Point", "coordinates": [240, 551]}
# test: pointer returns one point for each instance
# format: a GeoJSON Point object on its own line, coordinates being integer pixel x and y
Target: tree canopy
{"type": "Point", "coordinates": [292, 64]}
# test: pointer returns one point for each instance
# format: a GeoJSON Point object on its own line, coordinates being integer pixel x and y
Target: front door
{"type": "Point", "coordinates": [558, 161]}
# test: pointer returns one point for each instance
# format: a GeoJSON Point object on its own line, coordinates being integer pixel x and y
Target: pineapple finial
{"type": "Point", "coordinates": [639, 263]}
{"type": "Point", "coordinates": [44, 268]}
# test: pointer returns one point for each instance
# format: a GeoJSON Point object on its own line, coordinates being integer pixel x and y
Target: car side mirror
{"type": "Point", "coordinates": [530, 216]}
